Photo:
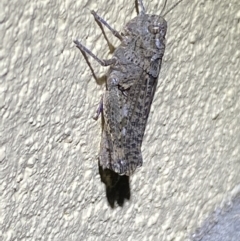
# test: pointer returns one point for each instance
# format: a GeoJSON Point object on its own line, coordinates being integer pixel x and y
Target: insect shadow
{"type": "Point", "coordinates": [117, 187]}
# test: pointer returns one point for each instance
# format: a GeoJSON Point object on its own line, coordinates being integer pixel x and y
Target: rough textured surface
{"type": "Point", "coordinates": [50, 187]}
{"type": "Point", "coordinates": [222, 225]}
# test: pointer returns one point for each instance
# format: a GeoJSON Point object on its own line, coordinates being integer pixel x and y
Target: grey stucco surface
{"type": "Point", "coordinates": [50, 187]}
{"type": "Point", "coordinates": [227, 227]}
{"type": "Point", "coordinates": [223, 225]}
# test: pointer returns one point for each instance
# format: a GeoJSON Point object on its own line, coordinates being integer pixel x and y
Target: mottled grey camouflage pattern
{"type": "Point", "coordinates": [130, 87]}
{"type": "Point", "coordinates": [131, 84]}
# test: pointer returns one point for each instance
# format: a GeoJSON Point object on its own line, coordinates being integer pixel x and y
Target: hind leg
{"type": "Point", "coordinates": [102, 21]}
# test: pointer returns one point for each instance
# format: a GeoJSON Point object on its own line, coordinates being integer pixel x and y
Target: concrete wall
{"type": "Point", "coordinates": [50, 187]}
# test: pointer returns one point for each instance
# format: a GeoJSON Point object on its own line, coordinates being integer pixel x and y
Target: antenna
{"type": "Point", "coordinates": [142, 9]}
{"type": "Point", "coordinates": [171, 8]}
{"type": "Point", "coordinates": [165, 3]}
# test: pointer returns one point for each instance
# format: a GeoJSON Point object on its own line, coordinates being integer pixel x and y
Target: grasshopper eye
{"type": "Point", "coordinates": [154, 29]}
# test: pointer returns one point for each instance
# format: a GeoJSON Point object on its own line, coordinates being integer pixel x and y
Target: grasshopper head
{"type": "Point", "coordinates": [146, 24]}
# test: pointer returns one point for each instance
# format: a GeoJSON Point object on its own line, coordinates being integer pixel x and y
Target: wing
{"type": "Point", "coordinates": [126, 106]}
{"type": "Point", "coordinates": [125, 115]}
{"type": "Point", "coordinates": [142, 97]}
